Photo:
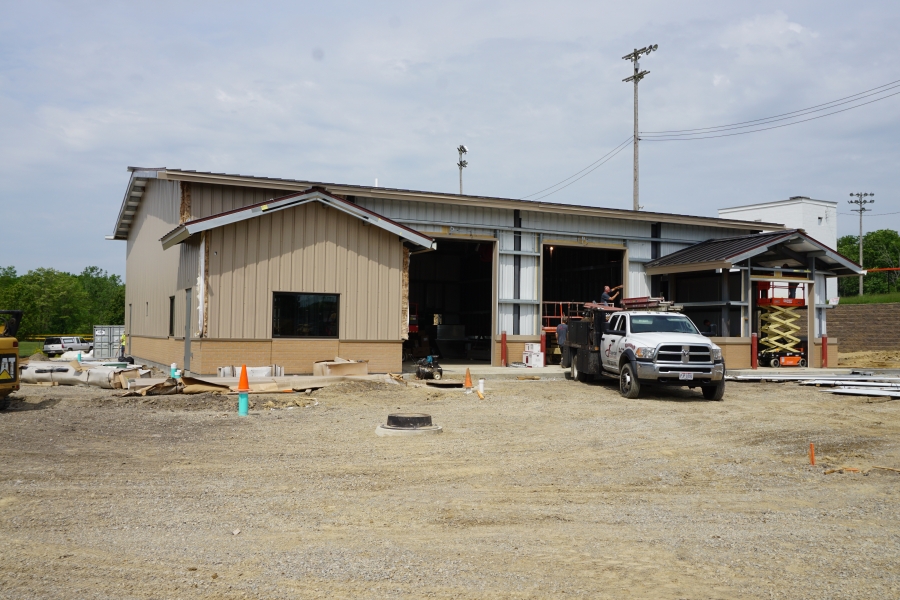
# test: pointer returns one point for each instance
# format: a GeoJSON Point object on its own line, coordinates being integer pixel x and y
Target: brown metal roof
{"type": "Point", "coordinates": [726, 252]}
{"type": "Point", "coordinates": [140, 174]}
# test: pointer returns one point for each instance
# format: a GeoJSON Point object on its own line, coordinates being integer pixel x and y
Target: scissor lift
{"type": "Point", "coordinates": [781, 347]}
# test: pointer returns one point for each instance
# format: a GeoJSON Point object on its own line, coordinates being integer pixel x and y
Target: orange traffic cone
{"type": "Point", "coordinates": [468, 383]}
{"type": "Point", "coordinates": [243, 382]}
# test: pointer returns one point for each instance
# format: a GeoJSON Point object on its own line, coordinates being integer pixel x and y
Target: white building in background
{"type": "Point", "coordinates": [818, 218]}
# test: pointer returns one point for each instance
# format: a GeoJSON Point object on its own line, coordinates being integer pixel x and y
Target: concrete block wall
{"type": "Point", "coordinates": [865, 326]}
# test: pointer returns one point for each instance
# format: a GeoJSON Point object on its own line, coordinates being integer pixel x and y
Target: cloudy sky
{"type": "Point", "coordinates": [353, 91]}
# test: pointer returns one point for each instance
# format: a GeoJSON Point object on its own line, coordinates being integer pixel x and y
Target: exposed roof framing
{"type": "Point", "coordinates": [774, 247]}
{"type": "Point", "coordinates": [186, 230]}
{"type": "Point", "coordinates": [137, 183]}
{"type": "Point", "coordinates": [295, 185]}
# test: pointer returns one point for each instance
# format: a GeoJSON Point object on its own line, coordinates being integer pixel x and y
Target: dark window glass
{"type": "Point", "coordinates": [171, 316]}
{"type": "Point", "coordinates": [661, 324]}
{"type": "Point", "coordinates": [305, 315]}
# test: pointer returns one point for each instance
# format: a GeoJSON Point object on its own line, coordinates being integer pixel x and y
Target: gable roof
{"type": "Point", "coordinates": [140, 175]}
{"type": "Point", "coordinates": [728, 252]}
{"type": "Point", "coordinates": [189, 228]}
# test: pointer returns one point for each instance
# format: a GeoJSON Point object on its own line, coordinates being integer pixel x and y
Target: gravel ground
{"type": "Point", "coordinates": [544, 489]}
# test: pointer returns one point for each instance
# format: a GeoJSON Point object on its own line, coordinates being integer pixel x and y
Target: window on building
{"type": "Point", "coordinates": [305, 315]}
{"type": "Point", "coordinates": [171, 316]}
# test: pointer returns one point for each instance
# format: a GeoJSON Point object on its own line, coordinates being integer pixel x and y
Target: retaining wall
{"type": "Point", "coordinates": [865, 326]}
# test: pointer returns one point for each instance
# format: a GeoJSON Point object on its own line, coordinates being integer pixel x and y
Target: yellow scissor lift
{"type": "Point", "coordinates": [780, 345]}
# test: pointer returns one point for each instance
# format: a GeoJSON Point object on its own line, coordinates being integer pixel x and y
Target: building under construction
{"type": "Point", "coordinates": [230, 269]}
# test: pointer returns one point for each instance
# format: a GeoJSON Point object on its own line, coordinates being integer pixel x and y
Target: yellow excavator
{"type": "Point", "coordinates": [9, 354]}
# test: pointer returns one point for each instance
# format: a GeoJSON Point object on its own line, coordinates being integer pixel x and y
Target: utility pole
{"type": "Point", "coordinates": [462, 164]}
{"type": "Point", "coordinates": [861, 208]}
{"type": "Point", "coordinates": [636, 78]}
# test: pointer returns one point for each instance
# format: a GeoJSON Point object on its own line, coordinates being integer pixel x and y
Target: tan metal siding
{"type": "Point", "coordinates": [208, 200]}
{"type": "Point", "coordinates": [150, 272]}
{"type": "Point", "coordinates": [188, 264]}
{"type": "Point", "coordinates": [309, 248]}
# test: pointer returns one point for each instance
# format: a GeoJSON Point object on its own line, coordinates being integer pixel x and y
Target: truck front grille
{"type": "Point", "coordinates": [683, 354]}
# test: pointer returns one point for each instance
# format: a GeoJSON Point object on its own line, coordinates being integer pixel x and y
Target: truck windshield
{"type": "Point", "coordinates": [662, 324]}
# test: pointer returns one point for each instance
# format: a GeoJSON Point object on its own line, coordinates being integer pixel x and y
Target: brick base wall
{"type": "Point", "coordinates": [865, 327]}
{"type": "Point", "coordinates": [296, 356]}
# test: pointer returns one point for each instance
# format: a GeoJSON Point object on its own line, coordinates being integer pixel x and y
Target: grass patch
{"type": "Point", "coordinates": [26, 349]}
{"type": "Point", "coordinates": [871, 298]}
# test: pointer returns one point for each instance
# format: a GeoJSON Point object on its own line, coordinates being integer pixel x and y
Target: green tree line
{"type": "Point", "coordinates": [881, 249]}
{"type": "Point", "coordinates": [58, 302]}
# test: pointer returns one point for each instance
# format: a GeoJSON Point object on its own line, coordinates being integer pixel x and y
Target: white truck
{"type": "Point", "coordinates": [642, 348]}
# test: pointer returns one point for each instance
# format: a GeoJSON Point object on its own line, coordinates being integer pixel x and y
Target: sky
{"type": "Point", "coordinates": [351, 92]}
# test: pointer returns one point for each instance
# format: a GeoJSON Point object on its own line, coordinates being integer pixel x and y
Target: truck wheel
{"type": "Point", "coordinates": [576, 373]}
{"type": "Point", "coordinates": [4, 402]}
{"type": "Point", "coordinates": [565, 360]}
{"type": "Point", "coordinates": [714, 392]}
{"type": "Point", "coordinates": [629, 386]}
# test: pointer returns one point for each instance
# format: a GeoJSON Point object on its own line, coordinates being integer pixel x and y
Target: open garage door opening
{"type": "Point", "coordinates": [573, 275]}
{"type": "Point", "coordinates": [450, 301]}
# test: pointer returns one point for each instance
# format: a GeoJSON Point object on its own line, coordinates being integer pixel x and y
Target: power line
{"type": "Point", "coordinates": [684, 139]}
{"type": "Point", "coordinates": [872, 215]}
{"type": "Point", "coordinates": [802, 110]}
{"type": "Point", "coordinates": [768, 120]}
{"type": "Point", "coordinates": [620, 147]}
{"type": "Point", "coordinates": [617, 148]}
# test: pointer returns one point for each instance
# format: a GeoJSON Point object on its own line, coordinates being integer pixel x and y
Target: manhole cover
{"type": "Point", "coordinates": [408, 424]}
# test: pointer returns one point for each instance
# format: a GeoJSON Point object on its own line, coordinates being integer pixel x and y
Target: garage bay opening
{"type": "Point", "coordinates": [450, 301]}
{"type": "Point", "coordinates": [573, 275]}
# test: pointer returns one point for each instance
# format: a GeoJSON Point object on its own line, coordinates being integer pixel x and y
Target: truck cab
{"type": "Point", "coordinates": [644, 347]}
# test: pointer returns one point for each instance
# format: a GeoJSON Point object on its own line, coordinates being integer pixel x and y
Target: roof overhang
{"type": "Point", "coordinates": [296, 185]}
{"type": "Point", "coordinates": [184, 231]}
{"type": "Point", "coordinates": [794, 244]}
{"type": "Point", "coordinates": [134, 192]}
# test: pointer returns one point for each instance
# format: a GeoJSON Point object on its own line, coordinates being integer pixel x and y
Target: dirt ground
{"type": "Point", "coordinates": [880, 359]}
{"type": "Point", "coordinates": [544, 489]}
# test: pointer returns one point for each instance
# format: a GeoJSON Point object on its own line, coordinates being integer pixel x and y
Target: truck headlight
{"type": "Point", "coordinates": [645, 353]}
{"type": "Point", "coordinates": [716, 354]}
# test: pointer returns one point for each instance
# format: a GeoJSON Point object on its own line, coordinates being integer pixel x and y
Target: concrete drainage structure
{"type": "Point", "coordinates": [408, 424]}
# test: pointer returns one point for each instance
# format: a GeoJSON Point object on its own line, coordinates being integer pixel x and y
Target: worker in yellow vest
{"type": "Point", "coordinates": [123, 341]}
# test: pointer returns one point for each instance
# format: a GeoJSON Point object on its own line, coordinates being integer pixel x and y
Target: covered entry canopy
{"type": "Point", "coordinates": [762, 249]}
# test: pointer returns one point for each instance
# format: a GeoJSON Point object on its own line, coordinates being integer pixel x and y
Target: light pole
{"type": "Point", "coordinates": [636, 78]}
{"type": "Point", "coordinates": [860, 202]}
{"type": "Point", "coordinates": [462, 164]}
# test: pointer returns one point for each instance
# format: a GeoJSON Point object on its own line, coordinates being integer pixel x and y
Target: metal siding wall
{"type": "Point", "coordinates": [406, 211]}
{"type": "Point", "coordinates": [151, 272]}
{"type": "Point", "coordinates": [638, 250]}
{"type": "Point", "coordinates": [693, 233]}
{"type": "Point", "coordinates": [188, 264]}
{"type": "Point", "coordinates": [207, 200]}
{"type": "Point", "coordinates": [638, 282]}
{"type": "Point", "coordinates": [310, 248]}
{"type": "Point", "coordinates": [573, 225]}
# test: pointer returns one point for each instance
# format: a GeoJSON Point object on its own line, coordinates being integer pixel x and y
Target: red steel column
{"type": "Point", "coordinates": [503, 349]}
{"type": "Point", "coordinates": [824, 351]}
{"type": "Point", "coordinates": [544, 347]}
{"type": "Point", "coordinates": [754, 359]}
